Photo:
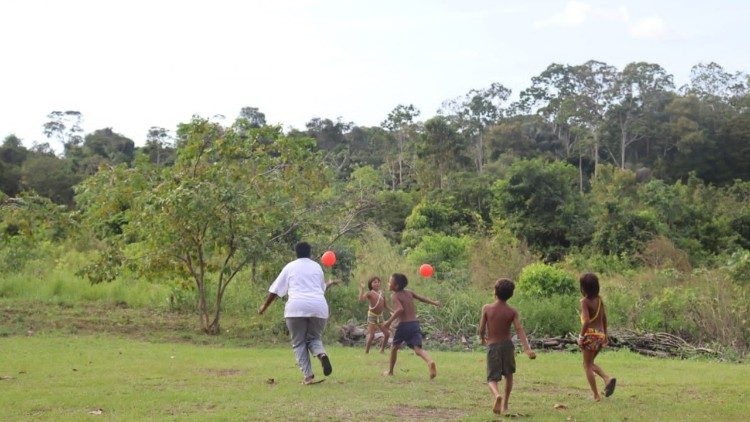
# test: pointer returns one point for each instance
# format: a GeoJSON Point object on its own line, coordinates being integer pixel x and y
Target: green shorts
{"type": "Point", "coordinates": [373, 318]}
{"type": "Point", "coordinates": [501, 360]}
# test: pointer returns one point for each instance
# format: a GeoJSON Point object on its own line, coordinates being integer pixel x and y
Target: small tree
{"type": "Point", "coordinates": [228, 200]}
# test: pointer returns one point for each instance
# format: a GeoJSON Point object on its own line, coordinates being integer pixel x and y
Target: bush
{"type": "Point", "coordinates": [589, 260]}
{"type": "Point", "coordinates": [545, 280]}
{"type": "Point", "coordinates": [739, 267]}
{"type": "Point", "coordinates": [500, 256]}
{"type": "Point", "coordinates": [551, 316]}
{"type": "Point", "coordinates": [445, 253]}
{"type": "Point", "coordinates": [16, 252]}
{"type": "Point", "coordinates": [660, 253]}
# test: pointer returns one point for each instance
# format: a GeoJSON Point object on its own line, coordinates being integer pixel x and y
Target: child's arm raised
{"type": "Point", "coordinates": [424, 299]}
{"type": "Point", "coordinates": [362, 294]}
{"type": "Point", "coordinates": [483, 327]}
{"type": "Point", "coordinates": [522, 336]}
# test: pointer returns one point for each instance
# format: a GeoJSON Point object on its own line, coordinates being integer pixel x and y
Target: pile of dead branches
{"type": "Point", "coordinates": [658, 344]}
{"type": "Point", "coordinates": [649, 344]}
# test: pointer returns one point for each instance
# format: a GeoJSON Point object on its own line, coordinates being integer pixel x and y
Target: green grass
{"type": "Point", "coordinates": [64, 377]}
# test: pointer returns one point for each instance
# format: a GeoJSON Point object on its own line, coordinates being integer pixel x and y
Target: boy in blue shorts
{"type": "Point", "coordinates": [408, 330]}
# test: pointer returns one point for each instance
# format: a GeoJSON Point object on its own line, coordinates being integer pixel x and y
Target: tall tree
{"type": "Point", "coordinates": [642, 90]}
{"type": "Point", "coordinates": [12, 156]}
{"type": "Point", "coordinates": [159, 146]}
{"type": "Point", "coordinates": [106, 143]}
{"type": "Point", "coordinates": [331, 138]}
{"type": "Point", "coordinates": [252, 116]}
{"type": "Point", "coordinates": [477, 111]}
{"type": "Point", "coordinates": [400, 122]}
{"type": "Point", "coordinates": [65, 127]}
{"type": "Point", "coordinates": [442, 149]}
{"type": "Point", "coordinates": [713, 82]}
{"type": "Point", "coordinates": [575, 98]}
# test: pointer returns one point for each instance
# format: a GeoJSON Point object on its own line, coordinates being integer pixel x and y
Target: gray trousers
{"type": "Point", "coordinates": [306, 339]}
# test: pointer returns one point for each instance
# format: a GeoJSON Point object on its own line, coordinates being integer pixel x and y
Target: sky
{"type": "Point", "coordinates": [131, 65]}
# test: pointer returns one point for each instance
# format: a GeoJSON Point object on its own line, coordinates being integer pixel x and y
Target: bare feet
{"type": "Point", "coordinates": [498, 406]}
{"type": "Point", "coordinates": [433, 370]}
{"type": "Point", "coordinates": [387, 374]}
{"type": "Point", "coordinates": [597, 397]}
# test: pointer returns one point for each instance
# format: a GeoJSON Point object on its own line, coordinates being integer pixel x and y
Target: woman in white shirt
{"type": "Point", "coordinates": [306, 311]}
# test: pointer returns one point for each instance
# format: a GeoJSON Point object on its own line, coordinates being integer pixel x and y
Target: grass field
{"type": "Point", "coordinates": [66, 377]}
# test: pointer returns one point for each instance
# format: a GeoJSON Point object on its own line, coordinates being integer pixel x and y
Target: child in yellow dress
{"type": "Point", "coordinates": [593, 335]}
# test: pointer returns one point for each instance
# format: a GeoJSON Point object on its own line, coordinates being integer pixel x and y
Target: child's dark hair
{"type": "Point", "coordinates": [369, 282]}
{"type": "Point", "coordinates": [589, 285]}
{"type": "Point", "coordinates": [302, 249]}
{"type": "Point", "coordinates": [504, 289]}
{"type": "Point", "coordinates": [401, 280]}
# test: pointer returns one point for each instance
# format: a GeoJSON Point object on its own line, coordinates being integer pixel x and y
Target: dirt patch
{"type": "Point", "coordinates": [425, 413]}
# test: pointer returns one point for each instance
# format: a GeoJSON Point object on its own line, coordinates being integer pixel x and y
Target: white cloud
{"type": "Point", "coordinates": [574, 14]}
{"type": "Point", "coordinates": [650, 27]}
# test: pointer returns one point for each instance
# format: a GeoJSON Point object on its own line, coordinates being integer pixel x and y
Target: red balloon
{"type": "Point", "coordinates": [426, 270]}
{"type": "Point", "coordinates": [328, 258]}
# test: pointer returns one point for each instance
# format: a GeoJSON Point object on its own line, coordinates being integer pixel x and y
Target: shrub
{"type": "Point", "coordinates": [445, 253]}
{"type": "Point", "coordinates": [551, 316]}
{"type": "Point", "coordinates": [500, 256]}
{"type": "Point", "coordinates": [589, 260]}
{"type": "Point", "coordinates": [739, 267]}
{"type": "Point", "coordinates": [661, 253]}
{"type": "Point", "coordinates": [545, 280]}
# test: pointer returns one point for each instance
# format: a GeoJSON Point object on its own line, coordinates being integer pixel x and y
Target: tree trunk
{"type": "Point", "coordinates": [596, 153]}
{"type": "Point", "coordinates": [623, 143]}
{"type": "Point", "coordinates": [580, 172]}
{"type": "Point", "coordinates": [480, 152]}
{"type": "Point", "coordinates": [215, 328]}
{"type": "Point", "coordinates": [203, 308]}
{"type": "Point", "coordinates": [400, 160]}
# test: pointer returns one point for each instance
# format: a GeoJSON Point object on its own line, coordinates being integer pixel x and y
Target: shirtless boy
{"type": "Point", "coordinates": [408, 330]}
{"type": "Point", "coordinates": [494, 331]}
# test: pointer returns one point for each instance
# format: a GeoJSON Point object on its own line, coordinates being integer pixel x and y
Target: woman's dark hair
{"type": "Point", "coordinates": [589, 285]}
{"type": "Point", "coordinates": [302, 249]}
{"type": "Point", "coordinates": [504, 289]}
{"type": "Point", "coordinates": [401, 280]}
{"type": "Point", "coordinates": [369, 282]}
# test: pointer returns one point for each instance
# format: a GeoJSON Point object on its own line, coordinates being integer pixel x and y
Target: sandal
{"type": "Point", "coordinates": [609, 389]}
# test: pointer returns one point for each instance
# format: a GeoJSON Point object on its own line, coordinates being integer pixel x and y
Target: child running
{"type": "Point", "coordinates": [593, 335]}
{"type": "Point", "coordinates": [374, 312]}
{"type": "Point", "coordinates": [494, 331]}
{"type": "Point", "coordinates": [408, 330]}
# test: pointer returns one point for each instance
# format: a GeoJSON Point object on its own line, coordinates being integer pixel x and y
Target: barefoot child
{"type": "Point", "coordinates": [408, 330]}
{"type": "Point", "coordinates": [593, 335]}
{"type": "Point", "coordinates": [494, 331]}
{"type": "Point", "coordinates": [374, 312]}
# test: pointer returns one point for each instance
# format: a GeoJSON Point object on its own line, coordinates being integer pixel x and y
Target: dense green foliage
{"type": "Point", "coordinates": [542, 280]}
{"type": "Point", "coordinates": [592, 169]}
